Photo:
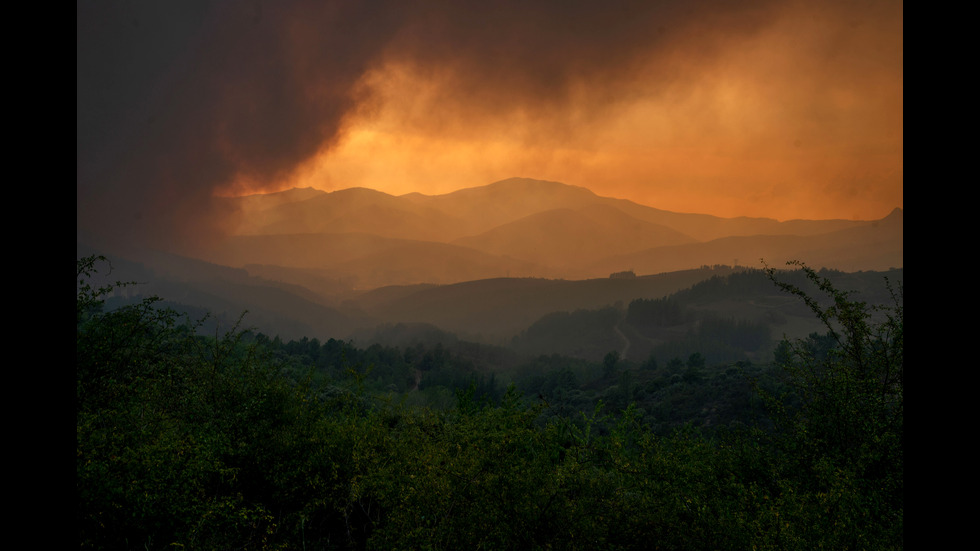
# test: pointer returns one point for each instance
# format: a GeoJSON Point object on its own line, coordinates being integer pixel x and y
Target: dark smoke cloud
{"type": "Point", "coordinates": [177, 99]}
{"type": "Point", "coordinates": [540, 50]}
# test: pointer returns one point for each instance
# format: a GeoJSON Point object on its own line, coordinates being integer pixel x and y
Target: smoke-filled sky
{"type": "Point", "coordinates": [777, 108]}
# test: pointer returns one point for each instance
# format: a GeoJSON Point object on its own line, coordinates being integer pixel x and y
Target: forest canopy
{"type": "Point", "coordinates": [234, 439]}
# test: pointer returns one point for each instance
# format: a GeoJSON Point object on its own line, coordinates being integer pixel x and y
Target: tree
{"type": "Point", "coordinates": [843, 418]}
{"type": "Point", "coordinates": [850, 381]}
{"type": "Point", "coordinates": [609, 364]}
{"type": "Point", "coordinates": [179, 436]}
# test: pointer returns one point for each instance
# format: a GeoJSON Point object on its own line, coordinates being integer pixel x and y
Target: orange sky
{"type": "Point", "coordinates": [803, 119]}
{"type": "Point", "coordinates": [777, 108]}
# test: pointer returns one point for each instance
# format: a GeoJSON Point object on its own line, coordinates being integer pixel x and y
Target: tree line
{"type": "Point", "coordinates": [234, 440]}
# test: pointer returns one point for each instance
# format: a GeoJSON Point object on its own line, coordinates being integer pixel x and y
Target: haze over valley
{"type": "Point", "coordinates": [509, 274]}
{"type": "Point", "coordinates": [330, 150]}
{"type": "Point", "coordinates": [482, 263]}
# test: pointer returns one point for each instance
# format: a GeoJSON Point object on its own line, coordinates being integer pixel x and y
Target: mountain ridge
{"type": "Point", "coordinates": [522, 227]}
{"type": "Point", "coordinates": [508, 200]}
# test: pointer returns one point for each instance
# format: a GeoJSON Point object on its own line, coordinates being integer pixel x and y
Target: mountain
{"type": "Point", "coordinates": [196, 287]}
{"type": "Point", "coordinates": [368, 261]}
{"type": "Point", "coordinates": [484, 263]}
{"type": "Point", "coordinates": [515, 198]}
{"type": "Point", "coordinates": [486, 207]}
{"type": "Point", "coordinates": [567, 238]}
{"type": "Point", "coordinates": [517, 227]}
{"type": "Point", "coordinates": [874, 245]}
{"type": "Point", "coordinates": [355, 210]}
{"type": "Point", "coordinates": [497, 309]}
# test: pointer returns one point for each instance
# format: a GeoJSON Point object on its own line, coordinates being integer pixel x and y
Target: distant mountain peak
{"type": "Point", "coordinates": [359, 190]}
{"type": "Point", "coordinates": [526, 183]}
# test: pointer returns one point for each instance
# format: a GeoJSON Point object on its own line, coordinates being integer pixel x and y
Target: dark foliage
{"type": "Point", "coordinates": [237, 441]}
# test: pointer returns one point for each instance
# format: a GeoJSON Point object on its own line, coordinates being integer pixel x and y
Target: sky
{"type": "Point", "coordinates": [777, 108]}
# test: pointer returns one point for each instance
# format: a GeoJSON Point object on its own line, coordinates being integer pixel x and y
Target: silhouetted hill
{"type": "Point", "coordinates": [368, 261]}
{"type": "Point", "coordinates": [486, 207]}
{"type": "Point", "coordinates": [726, 318]}
{"type": "Point", "coordinates": [496, 309]}
{"type": "Point", "coordinates": [566, 238]}
{"type": "Point", "coordinates": [520, 227]}
{"type": "Point", "coordinates": [274, 307]}
{"type": "Point", "coordinates": [704, 227]}
{"type": "Point", "coordinates": [583, 318]}
{"type": "Point", "coordinates": [407, 262]}
{"type": "Point", "coordinates": [869, 246]}
{"type": "Point", "coordinates": [354, 210]}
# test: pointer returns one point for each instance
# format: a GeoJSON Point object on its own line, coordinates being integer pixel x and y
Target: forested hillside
{"type": "Point", "coordinates": [228, 438]}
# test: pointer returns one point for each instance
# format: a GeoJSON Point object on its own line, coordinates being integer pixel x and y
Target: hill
{"type": "Point", "coordinates": [520, 227]}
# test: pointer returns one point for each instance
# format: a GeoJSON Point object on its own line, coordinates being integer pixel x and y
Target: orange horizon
{"type": "Point", "coordinates": [785, 122]}
{"type": "Point", "coordinates": [877, 211]}
{"type": "Point", "coordinates": [784, 110]}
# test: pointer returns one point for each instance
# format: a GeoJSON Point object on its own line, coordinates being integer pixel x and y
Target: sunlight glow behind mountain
{"type": "Point", "coordinates": [756, 108]}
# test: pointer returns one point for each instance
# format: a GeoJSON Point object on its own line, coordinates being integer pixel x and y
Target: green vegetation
{"type": "Point", "coordinates": [583, 333]}
{"type": "Point", "coordinates": [237, 440]}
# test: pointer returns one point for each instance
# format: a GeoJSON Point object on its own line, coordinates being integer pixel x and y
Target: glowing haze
{"type": "Point", "coordinates": [784, 109]}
